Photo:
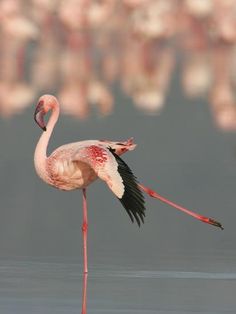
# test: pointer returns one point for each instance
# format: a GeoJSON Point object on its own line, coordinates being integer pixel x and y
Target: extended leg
{"type": "Point", "coordinates": [84, 231]}
{"type": "Point", "coordinates": [183, 209]}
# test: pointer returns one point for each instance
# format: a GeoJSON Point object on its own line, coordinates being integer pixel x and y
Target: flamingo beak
{"type": "Point", "coordinates": [39, 115]}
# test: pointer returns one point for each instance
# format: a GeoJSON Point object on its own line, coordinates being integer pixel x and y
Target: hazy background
{"type": "Point", "coordinates": [173, 263]}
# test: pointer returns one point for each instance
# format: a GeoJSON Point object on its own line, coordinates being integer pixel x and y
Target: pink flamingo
{"type": "Point", "coordinates": [76, 165]}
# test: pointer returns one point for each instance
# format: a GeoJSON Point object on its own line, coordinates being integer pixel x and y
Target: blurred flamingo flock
{"type": "Point", "coordinates": [81, 49]}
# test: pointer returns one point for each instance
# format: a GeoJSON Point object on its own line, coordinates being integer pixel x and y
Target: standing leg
{"type": "Point", "coordinates": [84, 230]}
{"type": "Point", "coordinates": [84, 300]}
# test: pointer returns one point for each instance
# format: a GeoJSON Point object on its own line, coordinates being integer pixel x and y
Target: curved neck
{"type": "Point", "coordinates": [40, 154]}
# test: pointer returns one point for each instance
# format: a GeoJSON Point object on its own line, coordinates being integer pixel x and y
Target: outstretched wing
{"type": "Point", "coordinates": [116, 173]}
{"type": "Point", "coordinates": [132, 199]}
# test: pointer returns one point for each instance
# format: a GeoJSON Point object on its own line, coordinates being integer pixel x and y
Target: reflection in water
{"type": "Point", "coordinates": [82, 47]}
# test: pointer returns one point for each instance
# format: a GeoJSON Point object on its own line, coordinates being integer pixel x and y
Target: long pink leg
{"type": "Point", "coordinates": [85, 230]}
{"type": "Point", "coordinates": [84, 300]}
{"type": "Point", "coordinates": [183, 209]}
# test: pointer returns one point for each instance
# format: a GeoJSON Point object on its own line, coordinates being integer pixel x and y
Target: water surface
{"type": "Point", "coordinates": [55, 287]}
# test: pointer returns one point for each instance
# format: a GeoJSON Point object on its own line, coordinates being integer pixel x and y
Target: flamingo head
{"type": "Point", "coordinates": [45, 103]}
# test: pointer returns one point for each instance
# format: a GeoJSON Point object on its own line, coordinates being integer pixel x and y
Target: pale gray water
{"type": "Point", "coordinates": [54, 287]}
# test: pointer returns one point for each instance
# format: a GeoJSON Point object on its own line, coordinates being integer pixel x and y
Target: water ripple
{"type": "Point", "coordinates": [74, 270]}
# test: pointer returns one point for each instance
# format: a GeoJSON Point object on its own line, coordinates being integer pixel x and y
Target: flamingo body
{"type": "Point", "coordinates": [68, 173]}
{"type": "Point", "coordinates": [77, 165]}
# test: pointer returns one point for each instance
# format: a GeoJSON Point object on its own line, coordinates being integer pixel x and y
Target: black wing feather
{"type": "Point", "coordinates": [132, 199]}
